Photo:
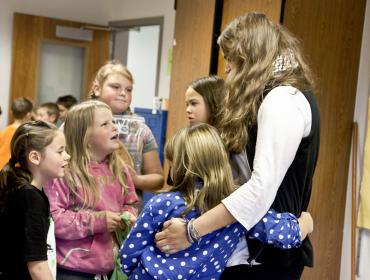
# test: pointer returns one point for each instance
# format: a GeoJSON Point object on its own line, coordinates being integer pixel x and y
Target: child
{"type": "Point", "coordinates": [113, 85]}
{"type": "Point", "coordinates": [37, 155]}
{"type": "Point", "coordinates": [202, 177]}
{"type": "Point", "coordinates": [22, 112]}
{"type": "Point", "coordinates": [48, 112]}
{"type": "Point", "coordinates": [203, 99]}
{"type": "Point", "coordinates": [97, 188]}
{"type": "Point", "coordinates": [65, 103]}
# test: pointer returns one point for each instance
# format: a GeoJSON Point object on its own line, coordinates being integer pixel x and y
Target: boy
{"type": "Point", "coordinates": [65, 103]}
{"type": "Point", "coordinates": [48, 112]}
{"type": "Point", "coordinates": [21, 109]}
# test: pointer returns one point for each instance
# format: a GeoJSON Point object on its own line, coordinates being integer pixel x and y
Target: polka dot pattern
{"type": "Point", "coordinates": [205, 259]}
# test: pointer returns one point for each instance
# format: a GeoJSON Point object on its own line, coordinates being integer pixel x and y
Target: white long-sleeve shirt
{"type": "Point", "coordinates": [284, 118]}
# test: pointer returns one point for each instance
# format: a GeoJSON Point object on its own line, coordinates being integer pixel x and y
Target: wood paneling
{"type": "Point", "coordinates": [191, 54]}
{"type": "Point", "coordinates": [235, 8]}
{"type": "Point", "coordinates": [331, 33]}
{"type": "Point", "coordinates": [28, 33]}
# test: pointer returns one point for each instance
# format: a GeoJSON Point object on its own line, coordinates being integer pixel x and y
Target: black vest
{"type": "Point", "coordinates": [293, 194]}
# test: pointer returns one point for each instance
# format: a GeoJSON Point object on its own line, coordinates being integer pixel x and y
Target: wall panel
{"type": "Point", "coordinates": [28, 33]}
{"type": "Point", "coordinates": [191, 54]}
{"type": "Point", "coordinates": [330, 32]}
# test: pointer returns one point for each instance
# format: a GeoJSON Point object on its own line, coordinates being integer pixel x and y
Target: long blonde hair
{"type": "Point", "coordinates": [198, 156]}
{"type": "Point", "coordinates": [77, 130]}
{"type": "Point", "coordinates": [252, 44]}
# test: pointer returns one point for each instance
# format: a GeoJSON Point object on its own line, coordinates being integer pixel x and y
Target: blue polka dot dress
{"type": "Point", "coordinates": [205, 259]}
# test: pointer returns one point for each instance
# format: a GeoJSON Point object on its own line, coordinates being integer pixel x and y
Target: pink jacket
{"type": "Point", "coordinates": [82, 240]}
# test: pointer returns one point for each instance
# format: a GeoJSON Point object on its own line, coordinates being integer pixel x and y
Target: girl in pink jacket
{"type": "Point", "coordinates": [87, 203]}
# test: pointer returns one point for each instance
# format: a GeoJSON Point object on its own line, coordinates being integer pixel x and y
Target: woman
{"type": "Point", "coordinates": [271, 114]}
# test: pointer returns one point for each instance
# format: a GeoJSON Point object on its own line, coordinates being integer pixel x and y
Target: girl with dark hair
{"type": "Point", "coordinates": [37, 156]}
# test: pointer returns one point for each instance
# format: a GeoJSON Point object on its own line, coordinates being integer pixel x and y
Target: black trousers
{"type": "Point", "coordinates": [261, 272]}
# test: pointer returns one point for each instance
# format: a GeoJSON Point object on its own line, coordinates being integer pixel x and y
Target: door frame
{"type": "Point", "coordinates": [126, 25]}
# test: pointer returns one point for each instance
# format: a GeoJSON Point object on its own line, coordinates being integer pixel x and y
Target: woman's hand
{"type": "Point", "coordinates": [113, 221]}
{"type": "Point", "coordinates": [305, 224]}
{"type": "Point", "coordinates": [172, 238]}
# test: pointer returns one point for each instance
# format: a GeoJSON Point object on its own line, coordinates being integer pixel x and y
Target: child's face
{"type": "Point", "coordinates": [54, 158]}
{"type": "Point", "coordinates": [103, 139]}
{"type": "Point", "coordinates": [116, 92]}
{"type": "Point", "coordinates": [42, 114]}
{"type": "Point", "coordinates": [196, 109]}
{"type": "Point", "coordinates": [62, 112]}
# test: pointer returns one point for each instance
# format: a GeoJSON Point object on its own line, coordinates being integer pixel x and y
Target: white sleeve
{"type": "Point", "coordinates": [284, 118]}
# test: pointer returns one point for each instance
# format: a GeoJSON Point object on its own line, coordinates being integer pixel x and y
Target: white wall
{"type": "Point", "coordinates": [143, 46]}
{"type": "Point", "coordinates": [360, 116]}
{"type": "Point", "coordinates": [89, 11]}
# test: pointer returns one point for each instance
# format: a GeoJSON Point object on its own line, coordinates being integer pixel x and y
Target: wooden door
{"type": "Point", "coordinates": [28, 33]}
{"type": "Point", "coordinates": [331, 34]}
{"type": "Point", "coordinates": [191, 54]}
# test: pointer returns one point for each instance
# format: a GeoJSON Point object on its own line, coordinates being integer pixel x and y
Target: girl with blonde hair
{"type": "Point", "coordinates": [270, 114]}
{"type": "Point", "coordinates": [87, 203]}
{"type": "Point", "coordinates": [201, 178]}
{"type": "Point", "coordinates": [113, 85]}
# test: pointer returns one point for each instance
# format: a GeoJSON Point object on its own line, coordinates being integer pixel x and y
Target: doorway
{"type": "Point", "coordinates": [61, 71]}
{"type": "Point", "coordinates": [137, 44]}
{"type": "Point", "coordinates": [30, 33]}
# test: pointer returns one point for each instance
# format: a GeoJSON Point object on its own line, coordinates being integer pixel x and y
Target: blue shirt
{"type": "Point", "coordinates": [206, 258]}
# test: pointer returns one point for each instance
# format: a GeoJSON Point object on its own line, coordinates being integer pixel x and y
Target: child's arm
{"type": "Point", "coordinates": [142, 234]}
{"type": "Point", "coordinates": [39, 270]}
{"type": "Point", "coordinates": [74, 224]}
{"type": "Point", "coordinates": [278, 229]}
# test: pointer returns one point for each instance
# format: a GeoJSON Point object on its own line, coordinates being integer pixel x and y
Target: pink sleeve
{"type": "Point", "coordinates": [71, 224]}
{"type": "Point", "coordinates": [131, 199]}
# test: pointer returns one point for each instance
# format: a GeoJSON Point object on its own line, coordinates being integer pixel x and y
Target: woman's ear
{"type": "Point", "coordinates": [34, 157]}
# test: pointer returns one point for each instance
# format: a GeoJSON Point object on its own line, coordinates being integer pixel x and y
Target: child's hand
{"type": "Point", "coordinates": [131, 217]}
{"type": "Point", "coordinates": [305, 224]}
{"type": "Point", "coordinates": [113, 221]}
